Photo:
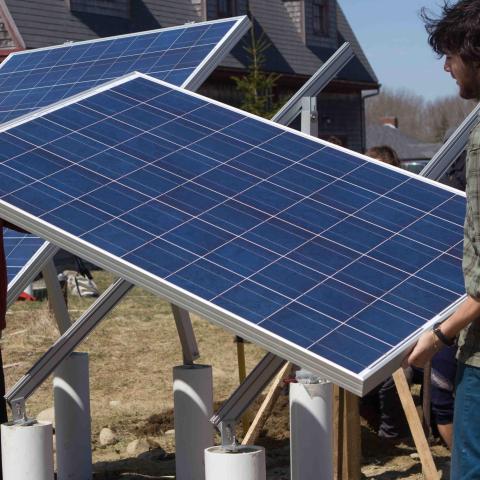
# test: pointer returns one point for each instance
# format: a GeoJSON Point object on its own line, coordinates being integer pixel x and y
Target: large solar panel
{"type": "Point", "coordinates": [322, 256]}
{"type": "Point", "coordinates": [183, 56]}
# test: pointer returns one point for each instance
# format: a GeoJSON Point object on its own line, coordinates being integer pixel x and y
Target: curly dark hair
{"type": "Point", "coordinates": [456, 31]}
{"type": "Point", "coordinates": [384, 153]}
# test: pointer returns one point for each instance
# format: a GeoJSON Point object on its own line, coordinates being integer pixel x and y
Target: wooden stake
{"type": "Point", "coordinates": [427, 395]}
{"type": "Point", "coordinates": [338, 424]}
{"type": "Point", "coordinates": [352, 446]}
{"type": "Point", "coordinates": [267, 406]}
{"type": "Point", "coordinates": [429, 469]}
{"type": "Point", "coordinates": [242, 374]}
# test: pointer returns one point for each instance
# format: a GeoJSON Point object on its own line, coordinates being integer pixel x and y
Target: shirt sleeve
{"type": "Point", "coordinates": [471, 244]}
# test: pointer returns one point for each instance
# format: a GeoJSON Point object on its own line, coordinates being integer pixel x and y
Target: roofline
{"type": "Point", "coordinates": [295, 79]}
{"type": "Point", "coordinates": [12, 27]}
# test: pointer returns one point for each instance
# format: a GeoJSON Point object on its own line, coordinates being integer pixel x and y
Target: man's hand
{"type": "Point", "coordinates": [427, 346]}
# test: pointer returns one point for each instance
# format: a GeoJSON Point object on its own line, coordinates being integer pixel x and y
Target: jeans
{"type": "Point", "coordinates": [466, 425]}
{"type": "Point", "coordinates": [3, 404]}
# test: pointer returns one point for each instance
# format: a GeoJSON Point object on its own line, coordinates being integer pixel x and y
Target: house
{"type": "Point", "coordinates": [302, 34]}
{"type": "Point", "coordinates": [413, 153]}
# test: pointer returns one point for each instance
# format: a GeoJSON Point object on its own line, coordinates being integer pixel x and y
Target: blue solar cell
{"type": "Point", "coordinates": [309, 215]}
{"type": "Point", "coordinates": [336, 299]}
{"type": "Point", "coordinates": [371, 276]}
{"type": "Point", "coordinates": [251, 301]}
{"type": "Point", "coordinates": [386, 322]}
{"type": "Point", "coordinates": [77, 217]}
{"type": "Point", "coordinates": [235, 217]}
{"type": "Point", "coordinates": [301, 179]}
{"type": "Point", "coordinates": [226, 180]}
{"type": "Point", "coordinates": [350, 348]}
{"type": "Point", "coordinates": [278, 236]}
{"type": "Point", "coordinates": [344, 196]}
{"type": "Point", "coordinates": [288, 278]}
{"type": "Point", "coordinates": [312, 247]}
{"type": "Point", "coordinates": [301, 324]}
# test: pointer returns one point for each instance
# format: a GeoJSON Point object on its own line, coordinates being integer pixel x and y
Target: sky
{"type": "Point", "coordinates": [394, 40]}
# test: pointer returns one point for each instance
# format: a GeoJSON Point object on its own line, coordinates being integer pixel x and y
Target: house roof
{"type": "Point", "coordinates": [407, 148]}
{"type": "Point", "coordinates": [50, 22]}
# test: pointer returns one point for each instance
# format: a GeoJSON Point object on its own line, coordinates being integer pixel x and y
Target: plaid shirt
{"type": "Point", "coordinates": [469, 340]}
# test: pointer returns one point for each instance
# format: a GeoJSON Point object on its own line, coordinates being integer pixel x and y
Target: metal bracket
{"type": "Point", "coordinates": [67, 342]}
{"type": "Point", "coordinates": [186, 335]}
{"type": "Point", "coordinates": [229, 438]}
{"type": "Point", "coordinates": [20, 413]}
{"type": "Point", "coordinates": [309, 116]}
{"type": "Point", "coordinates": [452, 148]}
{"type": "Point", "coordinates": [229, 413]}
{"type": "Point", "coordinates": [319, 80]}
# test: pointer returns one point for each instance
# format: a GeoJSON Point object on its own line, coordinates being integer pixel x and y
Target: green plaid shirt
{"type": "Point", "coordinates": [469, 340]}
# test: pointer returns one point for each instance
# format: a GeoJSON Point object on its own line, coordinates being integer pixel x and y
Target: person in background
{"type": "Point", "coordinates": [335, 140]}
{"type": "Point", "coordinates": [456, 35]}
{"type": "Point", "coordinates": [384, 399]}
{"type": "Point", "coordinates": [444, 363]}
{"type": "Point", "coordinates": [385, 154]}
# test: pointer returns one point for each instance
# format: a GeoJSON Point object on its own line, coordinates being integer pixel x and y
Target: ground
{"type": "Point", "coordinates": [138, 339]}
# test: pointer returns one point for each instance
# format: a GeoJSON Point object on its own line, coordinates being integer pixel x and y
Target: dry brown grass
{"type": "Point", "coordinates": [132, 353]}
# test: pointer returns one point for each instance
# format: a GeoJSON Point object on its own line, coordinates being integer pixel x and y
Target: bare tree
{"type": "Point", "coordinates": [427, 121]}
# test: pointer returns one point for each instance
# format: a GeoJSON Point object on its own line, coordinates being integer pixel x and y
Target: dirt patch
{"type": "Point", "coordinates": [132, 353]}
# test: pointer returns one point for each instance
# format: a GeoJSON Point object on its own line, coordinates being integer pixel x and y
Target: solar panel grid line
{"type": "Point", "coordinates": [76, 98]}
{"type": "Point", "coordinates": [247, 277]}
{"type": "Point", "coordinates": [232, 167]}
{"type": "Point", "coordinates": [239, 27]}
{"type": "Point", "coordinates": [300, 159]}
{"type": "Point", "coordinates": [179, 296]}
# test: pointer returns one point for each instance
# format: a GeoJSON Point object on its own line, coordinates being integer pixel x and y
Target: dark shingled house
{"type": "Point", "coordinates": [302, 33]}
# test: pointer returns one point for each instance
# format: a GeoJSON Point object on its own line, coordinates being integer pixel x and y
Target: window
{"type": "Point", "coordinates": [320, 18]}
{"type": "Point", "coordinates": [112, 8]}
{"type": "Point", "coordinates": [226, 8]}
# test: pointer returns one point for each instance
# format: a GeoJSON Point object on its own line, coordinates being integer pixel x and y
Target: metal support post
{"type": "Point", "coordinates": [186, 334]}
{"type": "Point", "coordinates": [64, 346]}
{"type": "Point", "coordinates": [27, 451]}
{"type": "Point", "coordinates": [310, 116]}
{"type": "Point", "coordinates": [322, 77]}
{"type": "Point", "coordinates": [55, 297]}
{"type": "Point", "coordinates": [229, 413]}
{"type": "Point", "coordinates": [452, 148]}
{"type": "Point", "coordinates": [193, 408]}
{"type": "Point", "coordinates": [311, 414]}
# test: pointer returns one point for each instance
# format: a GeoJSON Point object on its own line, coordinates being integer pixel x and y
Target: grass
{"type": "Point", "coordinates": [132, 353]}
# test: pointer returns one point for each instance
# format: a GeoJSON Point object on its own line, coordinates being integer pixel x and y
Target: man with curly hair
{"type": "Point", "coordinates": [456, 36]}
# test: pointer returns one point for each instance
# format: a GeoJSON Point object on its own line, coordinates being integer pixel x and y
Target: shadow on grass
{"type": "Point", "coordinates": [151, 465]}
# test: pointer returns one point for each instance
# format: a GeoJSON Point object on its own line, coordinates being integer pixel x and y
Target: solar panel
{"type": "Point", "coordinates": [19, 248]}
{"type": "Point", "coordinates": [31, 79]}
{"type": "Point", "coordinates": [183, 55]}
{"type": "Point", "coordinates": [322, 256]}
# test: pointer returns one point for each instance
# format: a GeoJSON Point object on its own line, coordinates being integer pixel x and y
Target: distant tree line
{"type": "Point", "coordinates": [429, 121]}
